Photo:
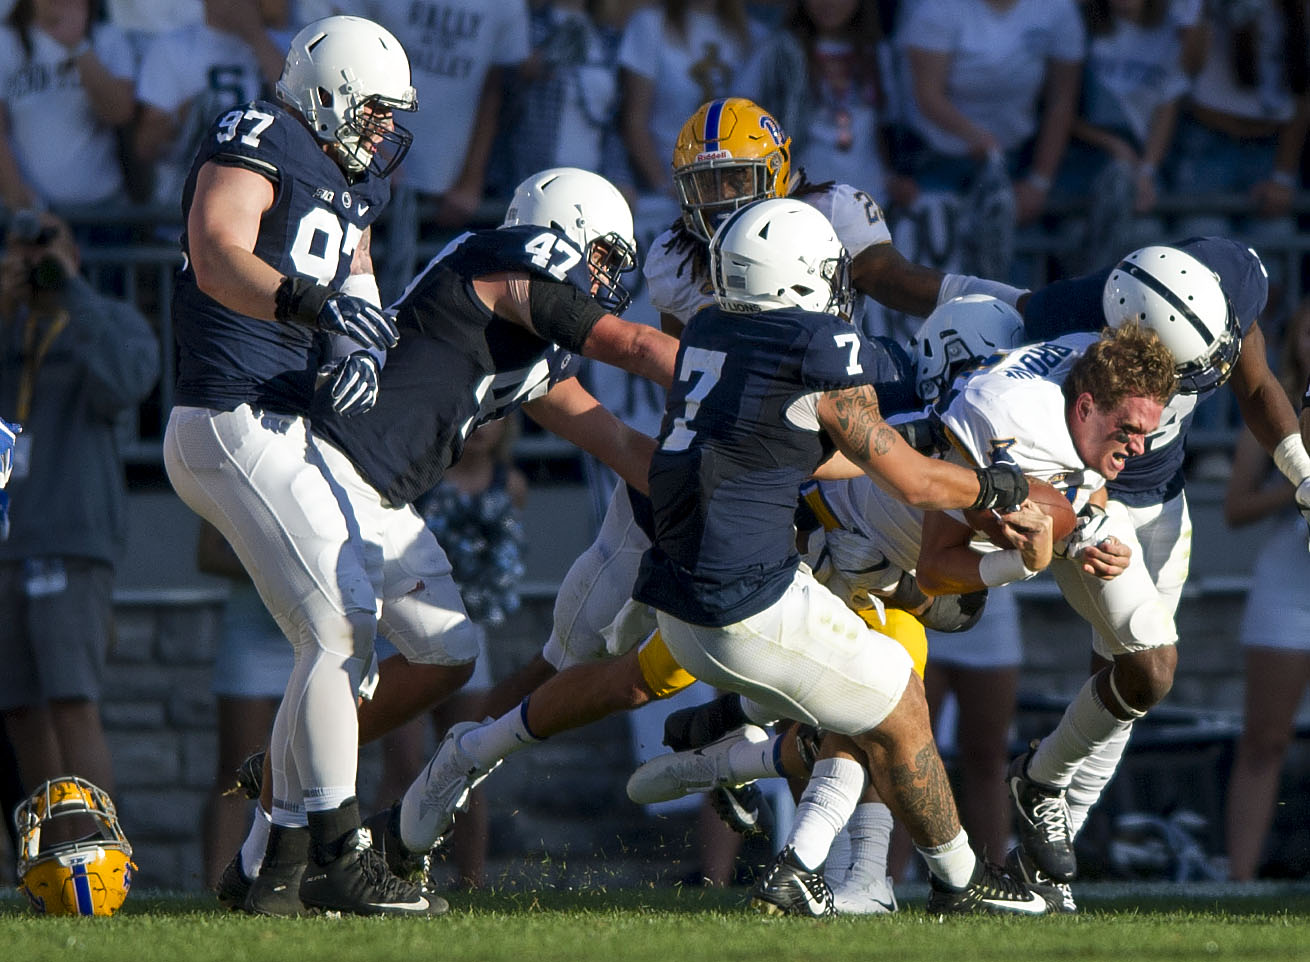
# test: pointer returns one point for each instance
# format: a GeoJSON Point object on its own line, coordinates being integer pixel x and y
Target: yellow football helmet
{"type": "Point", "coordinates": [729, 153]}
{"type": "Point", "coordinates": [73, 858]}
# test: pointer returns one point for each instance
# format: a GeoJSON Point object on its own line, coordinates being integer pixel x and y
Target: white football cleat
{"type": "Point", "coordinates": [442, 789]}
{"type": "Point", "coordinates": [666, 777]}
{"type": "Point", "coordinates": [854, 896]}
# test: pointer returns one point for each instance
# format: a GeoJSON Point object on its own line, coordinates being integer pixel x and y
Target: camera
{"type": "Point", "coordinates": [26, 227]}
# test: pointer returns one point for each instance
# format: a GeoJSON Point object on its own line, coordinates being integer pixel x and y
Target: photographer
{"type": "Point", "coordinates": [72, 361]}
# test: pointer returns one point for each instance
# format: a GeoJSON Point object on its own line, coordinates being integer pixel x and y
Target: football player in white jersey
{"type": "Point", "coordinates": [1204, 295]}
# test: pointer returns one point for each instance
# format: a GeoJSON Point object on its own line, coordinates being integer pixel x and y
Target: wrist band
{"type": "Point", "coordinates": [298, 299]}
{"type": "Point", "coordinates": [363, 286]}
{"type": "Point", "coordinates": [1292, 460]}
{"type": "Point", "coordinates": [997, 568]}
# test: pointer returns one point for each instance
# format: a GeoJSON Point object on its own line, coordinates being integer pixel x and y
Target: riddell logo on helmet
{"type": "Point", "coordinates": [714, 155]}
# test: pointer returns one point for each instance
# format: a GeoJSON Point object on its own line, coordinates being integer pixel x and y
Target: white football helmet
{"type": "Point", "coordinates": [73, 858]}
{"type": "Point", "coordinates": [588, 210]}
{"type": "Point", "coordinates": [345, 76]}
{"type": "Point", "coordinates": [780, 253]}
{"type": "Point", "coordinates": [1178, 297]}
{"type": "Point", "coordinates": [964, 331]}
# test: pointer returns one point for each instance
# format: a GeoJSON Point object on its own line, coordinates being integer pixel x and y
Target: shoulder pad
{"type": "Point", "coordinates": [541, 251]}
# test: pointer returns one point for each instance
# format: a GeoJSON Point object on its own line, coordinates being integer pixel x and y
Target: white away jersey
{"type": "Point", "coordinates": [1013, 410]}
{"type": "Point", "coordinates": [855, 216]}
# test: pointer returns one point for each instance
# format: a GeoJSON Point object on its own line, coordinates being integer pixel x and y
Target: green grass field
{"type": "Point", "coordinates": [685, 925]}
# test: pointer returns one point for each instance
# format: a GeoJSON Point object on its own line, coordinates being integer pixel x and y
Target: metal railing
{"type": "Point", "coordinates": [144, 270]}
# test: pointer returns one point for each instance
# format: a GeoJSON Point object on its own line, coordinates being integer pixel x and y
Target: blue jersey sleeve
{"type": "Point", "coordinates": [1065, 307]}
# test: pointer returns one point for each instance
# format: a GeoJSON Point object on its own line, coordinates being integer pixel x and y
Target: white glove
{"type": "Point", "coordinates": [1090, 529]}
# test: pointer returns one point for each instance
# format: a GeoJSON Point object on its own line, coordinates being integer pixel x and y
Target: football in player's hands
{"type": "Point", "coordinates": [1054, 502]}
{"type": "Point", "coordinates": [1041, 493]}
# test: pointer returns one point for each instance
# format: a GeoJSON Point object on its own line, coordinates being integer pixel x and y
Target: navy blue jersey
{"type": "Point", "coordinates": [458, 365]}
{"type": "Point", "coordinates": [738, 438]}
{"type": "Point", "coordinates": [1075, 305]}
{"type": "Point", "coordinates": [225, 358]}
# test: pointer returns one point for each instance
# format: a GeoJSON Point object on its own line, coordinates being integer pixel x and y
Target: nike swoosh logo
{"type": "Point", "coordinates": [1034, 901]}
{"type": "Point", "coordinates": [418, 906]}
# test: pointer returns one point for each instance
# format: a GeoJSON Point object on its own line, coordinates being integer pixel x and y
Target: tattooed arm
{"type": "Point", "coordinates": [852, 418]}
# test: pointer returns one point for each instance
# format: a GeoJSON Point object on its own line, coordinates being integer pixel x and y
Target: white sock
{"type": "Point", "coordinates": [1085, 727]}
{"type": "Point", "coordinates": [838, 863]}
{"type": "Point", "coordinates": [489, 743]}
{"type": "Point", "coordinates": [953, 862]}
{"type": "Point", "coordinates": [252, 849]}
{"type": "Point", "coordinates": [830, 797]}
{"type": "Point", "coordinates": [1093, 775]}
{"type": "Point", "coordinates": [749, 760]}
{"type": "Point", "coordinates": [870, 828]}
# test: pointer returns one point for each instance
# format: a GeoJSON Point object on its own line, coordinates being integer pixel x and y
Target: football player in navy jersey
{"type": "Point", "coordinates": [277, 209]}
{"type": "Point", "coordinates": [1204, 297]}
{"type": "Point", "coordinates": [769, 382]}
{"type": "Point", "coordinates": [491, 324]}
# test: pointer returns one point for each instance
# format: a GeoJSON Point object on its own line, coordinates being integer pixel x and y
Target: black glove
{"type": "Point", "coordinates": [954, 612]}
{"type": "Point", "coordinates": [302, 301]}
{"type": "Point", "coordinates": [1001, 486]}
{"type": "Point", "coordinates": [924, 434]}
{"type": "Point", "coordinates": [354, 387]}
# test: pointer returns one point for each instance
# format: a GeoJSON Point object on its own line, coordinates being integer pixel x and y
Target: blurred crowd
{"type": "Point", "coordinates": [963, 119]}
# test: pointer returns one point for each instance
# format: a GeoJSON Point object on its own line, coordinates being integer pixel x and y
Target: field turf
{"type": "Point", "coordinates": [1119, 922]}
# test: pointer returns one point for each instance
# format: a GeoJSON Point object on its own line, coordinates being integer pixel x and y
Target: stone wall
{"type": "Point", "coordinates": [555, 808]}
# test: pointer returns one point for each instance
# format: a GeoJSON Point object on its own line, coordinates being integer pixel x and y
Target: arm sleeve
{"type": "Point", "coordinates": [1065, 307]}
{"type": "Point", "coordinates": [561, 313]}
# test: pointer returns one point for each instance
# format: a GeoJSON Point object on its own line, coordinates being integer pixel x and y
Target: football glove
{"type": "Point", "coordinates": [8, 438]}
{"type": "Point", "coordinates": [354, 388]}
{"type": "Point", "coordinates": [302, 301]}
{"type": "Point", "coordinates": [1001, 486]}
